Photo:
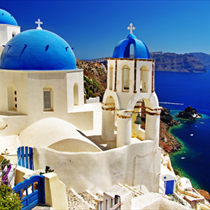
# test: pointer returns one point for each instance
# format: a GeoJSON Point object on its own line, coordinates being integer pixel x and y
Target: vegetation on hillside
{"type": "Point", "coordinates": [94, 78]}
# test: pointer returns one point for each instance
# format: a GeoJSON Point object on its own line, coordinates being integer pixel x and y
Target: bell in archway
{"type": "Point", "coordinates": [138, 120]}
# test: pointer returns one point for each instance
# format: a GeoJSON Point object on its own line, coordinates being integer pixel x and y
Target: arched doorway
{"type": "Point", "coordinates": [138, 130]}
{"type": "Point", "coordinates": [150, 117]}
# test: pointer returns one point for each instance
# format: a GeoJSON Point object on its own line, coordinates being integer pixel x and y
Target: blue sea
{"type": "Point", "coordinates": [189, 89]}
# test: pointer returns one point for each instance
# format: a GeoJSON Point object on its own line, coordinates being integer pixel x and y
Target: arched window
{"type": "Point", "coordinates": [144, 79]}
{"type": "Point", "coordinates": [110, 77]}
{"type": "Point", "coordinates": [131, 51]}
{"type": "Point", "coordinates": [76, 97]}
{"type": "Point", "coordinates": [48, 98]}
{"type": "Point", "coordinates": [13, 34]}
{"type": "Point", "coordinates": [125, 78]}
{"type": "Point", "coordinates": [12, 97]}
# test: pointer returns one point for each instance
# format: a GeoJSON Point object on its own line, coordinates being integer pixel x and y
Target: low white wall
{"type": "Point", "coordinates": [55, 192]}
{"type": "Point", "coordinates": [100, 170]}
{"type": "Point", "coordinates": [93, 100]}
{"type": "Point", "coordinates": [141, 134]}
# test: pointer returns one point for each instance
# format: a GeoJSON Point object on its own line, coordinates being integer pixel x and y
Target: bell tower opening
{"type": "Point", "coordinates": [144, 79]}
{"type": "Point", "coordinates": [125, 78]}
{"type": "Point", "coordinates": [131, 51]}
{"type": "Point", "coordinates": [111, 77]}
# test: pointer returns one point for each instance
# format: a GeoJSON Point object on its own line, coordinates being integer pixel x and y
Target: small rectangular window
{"type": "Point", "coordinates": [47, 100]}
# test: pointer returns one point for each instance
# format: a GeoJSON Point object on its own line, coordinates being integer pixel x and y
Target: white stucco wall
{"type": "Point", "coordinates": [101, 170]}
{"type": "Point", "coordinates": [72, 78]}
{"type": "Point", "coordinates": [30, 104]}
{"type": "Point", "coordinates": [6, 32]}
{"type": "Point", "coordinates": [19, 80]}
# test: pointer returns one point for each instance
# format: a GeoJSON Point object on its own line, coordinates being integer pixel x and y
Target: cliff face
{"type": "Point", "coordinates": [177, 62]}
{"type": "Point", "coordinates": [94, 78]}
{"type": "Point", "coordinates": [204, 58]}
{"type": "Point", "coordinates": [167, 141]}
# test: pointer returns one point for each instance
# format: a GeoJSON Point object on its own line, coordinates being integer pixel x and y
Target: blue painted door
{"type": "Point", "coordinates": [25, 157]}
{"type": "Point", "coordinates": [29, 194]}
{"type": "Point", "coordinates": [169, 186]}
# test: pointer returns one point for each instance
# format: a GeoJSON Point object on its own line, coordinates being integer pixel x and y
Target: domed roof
{"type": "Point", "coordinates": [56, 134]}
{"type": "Point", "coordinates": [6, 18]}
{"type": "Point", "coordinates": [37, 50]}
{"type": "Point", "coordinates": [122, 50]}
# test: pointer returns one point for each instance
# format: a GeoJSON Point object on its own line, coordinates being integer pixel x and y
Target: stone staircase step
{"type": "Point", "coordinates": [90, 198]}
{"type": "Point", "coordinates": [75, 201]}
{"type": "Point", "coordinates": [134, 190]}
{"type": "Point", "coordinates": [99, 195]}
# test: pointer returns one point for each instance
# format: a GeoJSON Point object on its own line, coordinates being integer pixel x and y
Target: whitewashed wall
{"type": "Point", "coordinates": [135, 164]}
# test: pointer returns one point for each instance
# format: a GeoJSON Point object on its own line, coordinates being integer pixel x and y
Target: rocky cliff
{"type": "Point", "coordinates": [94, 78]}
{"type": "Point", "coordinates": [204, 58]}
{"type": "Point", "coordinates": [167, 141]}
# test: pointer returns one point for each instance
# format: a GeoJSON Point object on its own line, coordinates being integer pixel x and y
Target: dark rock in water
{"type": "Point", "coordinates": [167, 118]}
{"type": "Point", "coordinates": [189, 113]}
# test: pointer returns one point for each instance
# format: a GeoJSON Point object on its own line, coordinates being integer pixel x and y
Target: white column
{"type": "Point", "coordinates": [108, 119]}
{"type": "Point", "coordinates": [152, 128]}
{"type": "Point", "coordinates": [123, 128]}
{"type": "Point", "coordinates": [135, 127]}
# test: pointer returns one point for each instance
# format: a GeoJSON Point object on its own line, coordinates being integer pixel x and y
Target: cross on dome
{"type": "Point", "coordinates": [39, 23]}
{"type": "Point", "coordinates": [131, 28]}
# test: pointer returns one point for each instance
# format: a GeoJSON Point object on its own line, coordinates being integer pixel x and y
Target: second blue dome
{"type": "Point", "coordinates": [122, 50]}
{"type": "Point", "coordinates": [6, 18]}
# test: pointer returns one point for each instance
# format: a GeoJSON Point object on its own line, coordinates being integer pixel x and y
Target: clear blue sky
{"type": "Point", "coordinates": [93, 28]}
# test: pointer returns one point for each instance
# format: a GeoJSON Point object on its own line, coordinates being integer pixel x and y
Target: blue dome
{"type": "Point", "coordinates": [122, 50]}
{"type": "Point", "coordinates": [37, 50]}
{"type": "Point", "coordinates": [6, 18]}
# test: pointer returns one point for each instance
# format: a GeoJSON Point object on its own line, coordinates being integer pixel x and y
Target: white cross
{"type": "Point", "coordinates": [39, 23]}
{"type": "Point", "coordinates": [131, 28]}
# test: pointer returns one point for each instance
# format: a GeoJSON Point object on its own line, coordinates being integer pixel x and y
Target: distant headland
{"type": "Point", "coordinates": [197, 62]}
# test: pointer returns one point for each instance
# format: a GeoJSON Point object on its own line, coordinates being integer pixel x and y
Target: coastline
{"type": "Point", "coordinates": [185, 152]}
{"type": "Point", "coordinates": [178, 155]}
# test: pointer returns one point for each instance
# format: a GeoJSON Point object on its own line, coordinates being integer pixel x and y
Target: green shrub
{"type": "Point", "coordinates": [96, 84]}
{"type": "Point", "coordinates": [87, 80]}
{"type": "Point", "coordinates": [8, 199]}
{"type": "Point", "coordinates": [89, 92]}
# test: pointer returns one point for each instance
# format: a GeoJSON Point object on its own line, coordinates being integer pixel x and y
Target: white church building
{"type": "Point", "coordinates": [90, 146]}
